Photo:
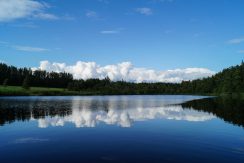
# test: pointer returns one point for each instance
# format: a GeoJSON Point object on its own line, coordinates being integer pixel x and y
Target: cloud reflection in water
{"type": "Point", "coordinates": [122, 112]}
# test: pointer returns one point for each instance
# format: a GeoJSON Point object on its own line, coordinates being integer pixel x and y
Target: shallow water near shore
{"type": "Point", "coordinates": [157, 128]}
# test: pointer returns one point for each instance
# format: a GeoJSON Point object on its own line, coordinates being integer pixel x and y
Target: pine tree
{"type": "Point", "coordinates": [5, 82]}
{"type": "Point", "coordinates": [26, 83]}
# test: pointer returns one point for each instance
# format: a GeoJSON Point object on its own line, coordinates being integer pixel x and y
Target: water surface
{"type": "Point", "coordinates": [121, 129]}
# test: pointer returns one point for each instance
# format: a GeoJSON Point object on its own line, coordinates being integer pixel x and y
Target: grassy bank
{"type": "Point", "coordinates": [38, 91]}
{"type": "Point", "coordinates": [43, 91]}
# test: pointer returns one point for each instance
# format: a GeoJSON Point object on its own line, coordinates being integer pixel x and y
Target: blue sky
{"type": "Point", "coordinates": [155, 34]}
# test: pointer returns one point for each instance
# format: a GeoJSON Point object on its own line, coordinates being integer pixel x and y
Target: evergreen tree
{"type": "Point", "coordinates": [26, 83]}
{"type": "Point", "coordinates": [5, 82]}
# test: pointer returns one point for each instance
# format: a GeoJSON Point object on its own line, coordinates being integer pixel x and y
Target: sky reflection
{"type": "Point", "coordinates": [122, 112]}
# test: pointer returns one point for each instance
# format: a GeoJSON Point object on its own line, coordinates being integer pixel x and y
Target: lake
{"type": "Point", "coordinates": [162, 128]}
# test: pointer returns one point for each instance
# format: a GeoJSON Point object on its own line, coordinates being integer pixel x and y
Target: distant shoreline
{"type": "Point", "coordinates": [44, 91]}
{"type": "Point", "coordinates": [25, 82]}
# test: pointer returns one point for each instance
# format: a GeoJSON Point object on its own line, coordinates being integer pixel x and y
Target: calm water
{"type": "Point", "coordinates": [121, 129]}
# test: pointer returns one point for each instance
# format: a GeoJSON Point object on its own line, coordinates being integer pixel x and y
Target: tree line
{"type": "Point", "coordinates": [229, 80]}
{"type": "Point", "coordinates": [10, 75]}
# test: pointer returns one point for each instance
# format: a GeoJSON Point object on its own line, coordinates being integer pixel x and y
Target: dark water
{"type": "Point", "coordinates": [121, 129]}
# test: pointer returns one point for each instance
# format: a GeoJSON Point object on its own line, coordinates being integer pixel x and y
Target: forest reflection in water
{"type": "Point", "coordinates": [118, 110]}
{"type": "Point", "coordinates": [227, 108]}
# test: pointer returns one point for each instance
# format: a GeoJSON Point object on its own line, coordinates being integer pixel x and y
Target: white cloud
{"type": "Point", "coordinates": [125, 71]}
{"type": "Point", "coordinates": [16, 9]}
{"type": "Point", "coordinates": [144, 11]}
{"type": "Point", "coordinates": [29, 49]}
{"type": "Point", "coordinates": [236, 40]}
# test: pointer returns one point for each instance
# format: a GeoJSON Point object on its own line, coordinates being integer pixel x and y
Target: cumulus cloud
{"type": "Point", "coordinates": [125, 71]}
{"type": "Point", "coordinates": [144, 11]}
{"type": "Point", "coordinates": [16, 9]}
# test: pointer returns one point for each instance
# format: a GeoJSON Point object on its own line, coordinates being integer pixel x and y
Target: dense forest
{"type": "Point", "coordinates": [10, 75]}
{"type": "Point", "coordinates": [230, 80]}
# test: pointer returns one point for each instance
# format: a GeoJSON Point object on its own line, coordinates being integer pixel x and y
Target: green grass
{"type": "Point", "coordinates": [43, 91]}
{"type": "Point", "coordinates": [12, 90]}
{"type": "Point", "coordinates": [40, 91]}
{"type": "Point", "coordinates": [18, 91]}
